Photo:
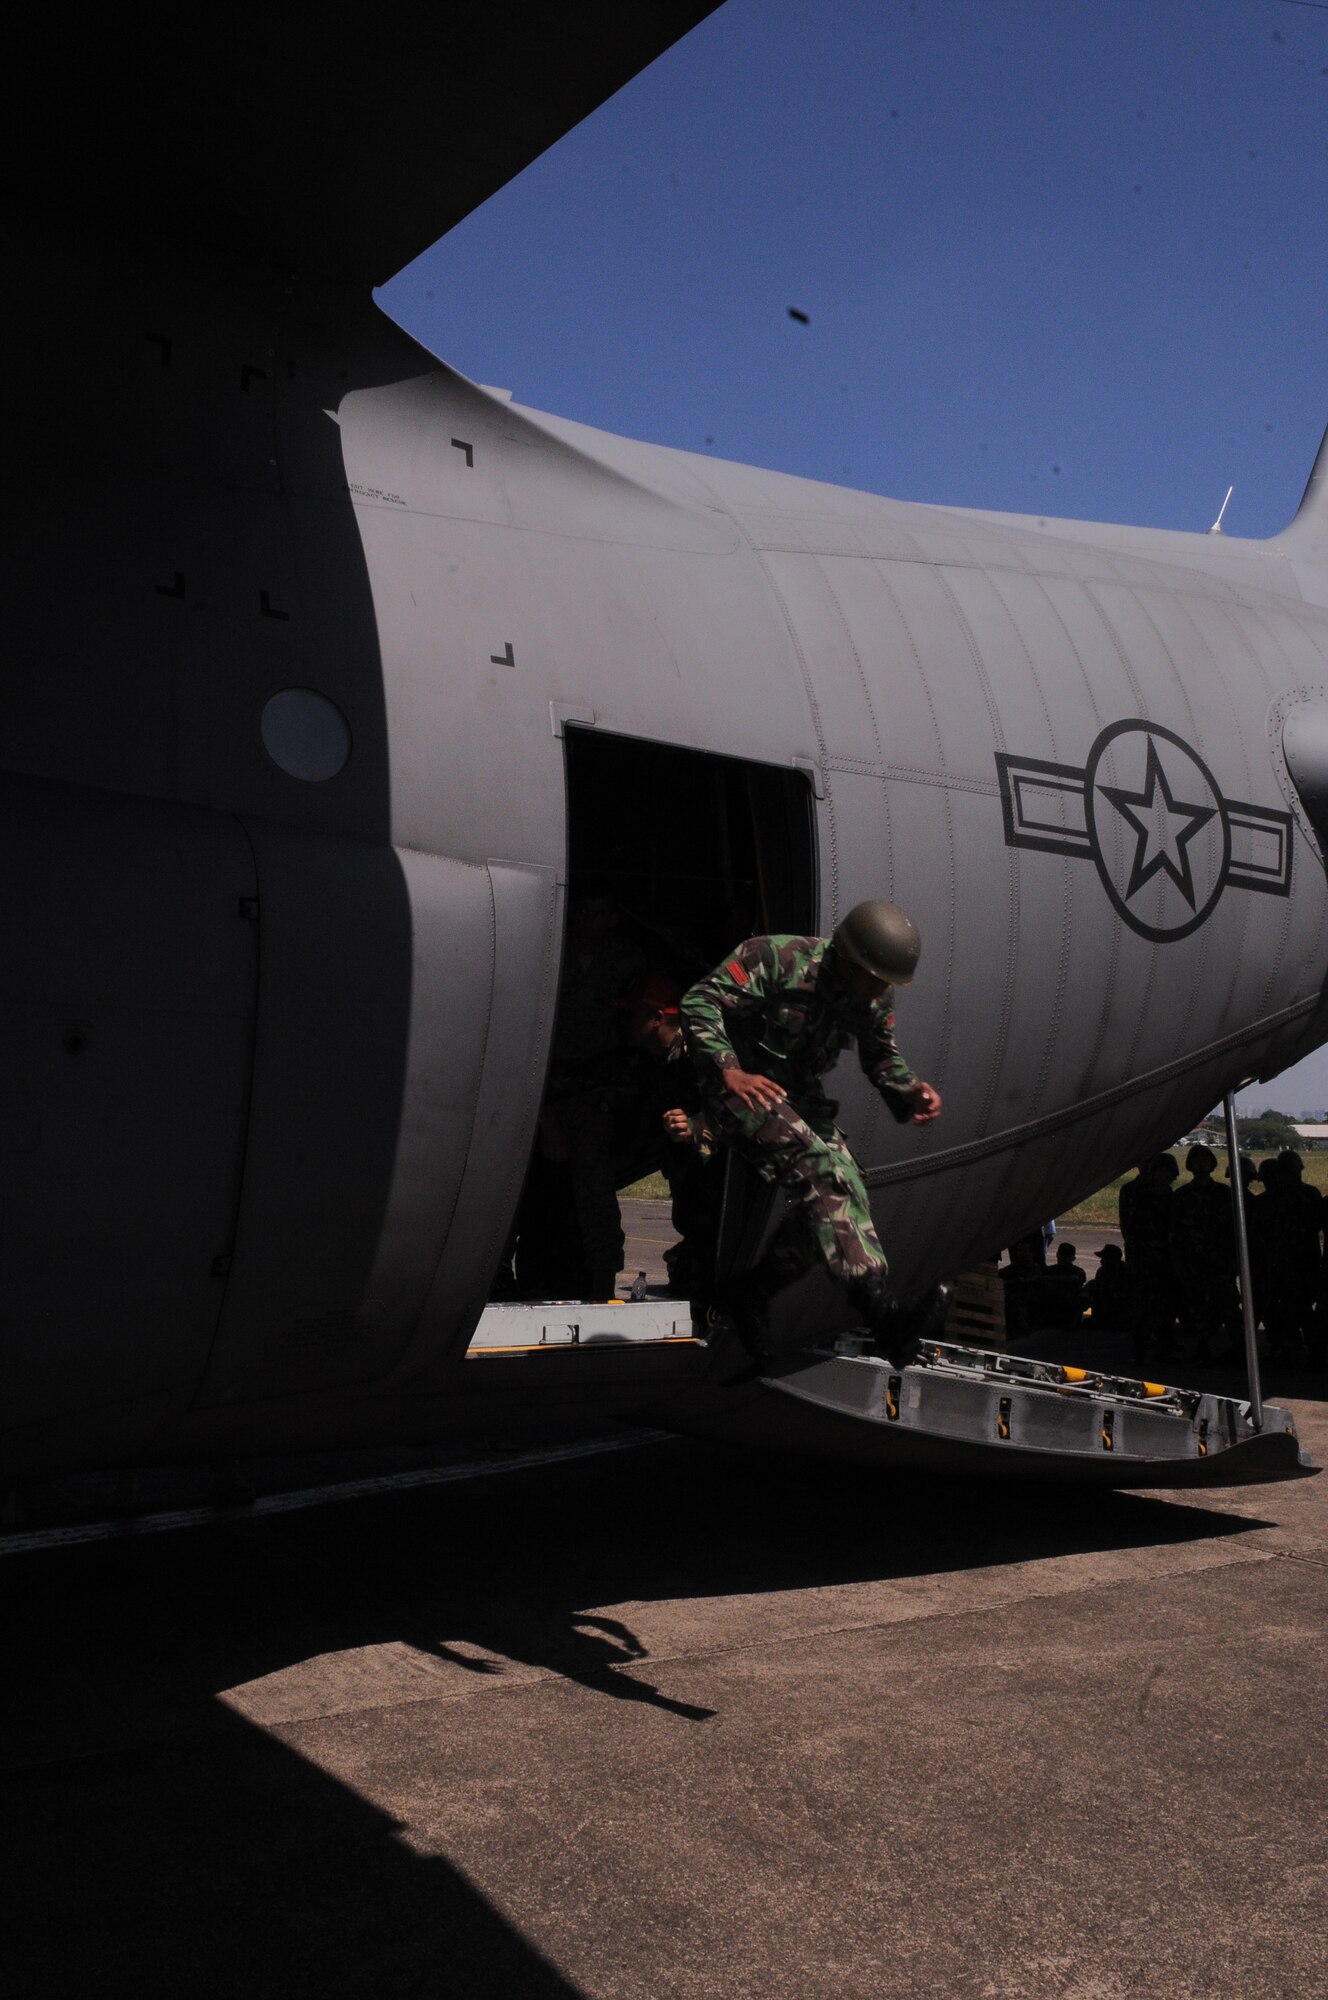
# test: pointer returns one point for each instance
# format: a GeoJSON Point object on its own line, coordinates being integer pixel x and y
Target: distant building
{"type": "Point", "coordinates": [1314, 1138]}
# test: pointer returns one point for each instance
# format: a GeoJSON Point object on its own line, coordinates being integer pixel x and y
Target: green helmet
{"type": "Point", "coordinates": [882, 940]}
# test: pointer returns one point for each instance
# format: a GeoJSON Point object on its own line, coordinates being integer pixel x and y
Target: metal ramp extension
{"type": "Point", "coordinates": [969, 1409]}
{"type": "Point", "coordinates": [957, 1409]}
{"type": "Point", "coordinates": [561, 1323]}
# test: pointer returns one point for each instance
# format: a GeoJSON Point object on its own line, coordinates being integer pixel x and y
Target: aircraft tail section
{"type": "Point", "coordinates": [1306, 538]}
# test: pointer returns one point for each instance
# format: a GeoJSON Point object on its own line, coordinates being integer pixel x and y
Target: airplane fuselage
{"type": "Point", "coordinates": [309, 619]}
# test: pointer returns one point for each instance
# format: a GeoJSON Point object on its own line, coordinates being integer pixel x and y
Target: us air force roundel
{"type": "Point", "coordinates": [1149, 813]}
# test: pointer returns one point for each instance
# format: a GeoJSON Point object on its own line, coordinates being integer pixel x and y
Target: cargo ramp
{"type": "Point", "coordinates": [955, 1409]}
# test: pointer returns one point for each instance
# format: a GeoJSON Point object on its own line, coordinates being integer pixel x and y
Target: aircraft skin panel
{"type": "Point", "coordinates": [128, 995]}
{"type": "Point", "coordinates": [399, 450]}
{"type": "Point", "coordinates": [391, 1123]}
{"type": "Point", "coordinates": [1291, 648]}
{"type": "Point", "coordinates": [186, 545]}
{"type": "Point", "coordinates": [816, 593]}
{"type": "Point", "coordinates": [1025, 650]}
{"type": "Point", "coordinates": [526, 917]}
{"type": "Point", "coordinates": [497, 646]}
{"type": "Point", "coordinates": [308, 1300]}
{"type": "Point", "coordinates": [1304, 541]}
{"type": "Point", "coordinates": [659, 624]}
{"type": "Point", "coordinates": [783, 511]}
{"type": "Point", "coordinates": [1293, 565]}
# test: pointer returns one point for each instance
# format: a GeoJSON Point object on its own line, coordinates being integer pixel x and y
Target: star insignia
{"type": "Point", "coordinates": [1065, 809]}
{"type": "Point", "coordinates": [1164, 828]}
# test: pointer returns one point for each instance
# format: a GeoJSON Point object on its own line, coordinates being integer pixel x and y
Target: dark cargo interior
{"type": "Point", "coordinates": [697, 851]}
{"type": "Point", "coordinates": [674, 856]}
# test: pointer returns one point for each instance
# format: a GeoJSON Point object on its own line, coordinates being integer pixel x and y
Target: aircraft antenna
{"type": "Point", "coordinates": [1216, 528]}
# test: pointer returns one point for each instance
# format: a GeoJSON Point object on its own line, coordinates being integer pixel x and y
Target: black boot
{"type": "Point", "coordinates": [899, 1327]}
{"type": "Point", "coordinates": [930, 1311]}
{"type": "Point", "coordinates": [741, 1317]}
{"type": "Point", "coordinates": [738, 1333]}
{"type": "Point", "coordinates": [870, 1299]}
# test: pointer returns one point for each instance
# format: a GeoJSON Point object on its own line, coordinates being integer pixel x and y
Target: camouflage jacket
{"type": "Point", "coordinates": [776, 1006]}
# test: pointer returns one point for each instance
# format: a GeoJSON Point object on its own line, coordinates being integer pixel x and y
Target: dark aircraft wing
{"type": "Point", "coordinates": [345, 139]}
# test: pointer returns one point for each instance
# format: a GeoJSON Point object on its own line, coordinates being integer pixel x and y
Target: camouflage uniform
{"type": "Point", "coordinates": [777, 1007]}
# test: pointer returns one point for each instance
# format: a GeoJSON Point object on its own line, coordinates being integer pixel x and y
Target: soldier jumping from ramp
{"type": "Point", "coordinates": [763, 1030]}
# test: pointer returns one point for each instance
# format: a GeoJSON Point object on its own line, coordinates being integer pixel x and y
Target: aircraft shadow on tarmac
{"type": "Point", "coordinates": [231, 1865]}
{"type": "Point", "coordinates": [154, 1830]}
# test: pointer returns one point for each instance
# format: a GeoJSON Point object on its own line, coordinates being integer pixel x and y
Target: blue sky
{"type": "Point", "coordinates": [1062, 256]}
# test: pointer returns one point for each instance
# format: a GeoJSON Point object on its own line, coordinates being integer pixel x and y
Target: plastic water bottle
{"type": "Point", "coordinates": [638, 1291]}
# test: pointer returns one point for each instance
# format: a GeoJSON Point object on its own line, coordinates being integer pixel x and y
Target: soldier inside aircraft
{"type": "Point", "coordinates": [669, 1111]}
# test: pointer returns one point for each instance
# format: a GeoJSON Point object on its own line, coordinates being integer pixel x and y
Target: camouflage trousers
{"type": "Point", "coordinates": [809, 1158]}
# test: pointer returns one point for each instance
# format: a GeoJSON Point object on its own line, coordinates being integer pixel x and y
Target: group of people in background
{"type": "Point", "coordinates": [1173, 1281]}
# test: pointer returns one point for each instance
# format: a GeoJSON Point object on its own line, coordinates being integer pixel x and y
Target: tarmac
{"type": "Point", "coordinates": [661, 1718]}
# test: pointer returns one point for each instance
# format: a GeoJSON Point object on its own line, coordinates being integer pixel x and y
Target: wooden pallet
{"type": "Point", "coordinates": [977, 1311]}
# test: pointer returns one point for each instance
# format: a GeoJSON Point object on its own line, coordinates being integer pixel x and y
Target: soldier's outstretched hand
{"type": "Point", "coordinates": [926, 1103]}
{"type": "Point", "coordinates": [757, 1093]}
